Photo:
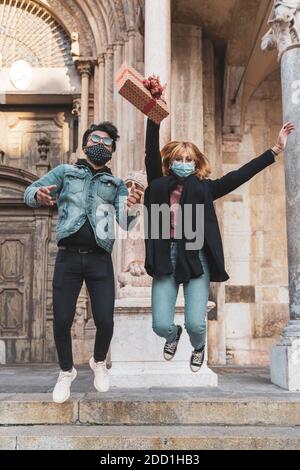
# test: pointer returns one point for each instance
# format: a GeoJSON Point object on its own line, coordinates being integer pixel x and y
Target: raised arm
{"type": "Point", "coordinates": [152, 158]}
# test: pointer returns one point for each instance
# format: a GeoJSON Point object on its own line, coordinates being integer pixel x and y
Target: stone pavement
{"type": "Point", "coordinates": [232, 381]}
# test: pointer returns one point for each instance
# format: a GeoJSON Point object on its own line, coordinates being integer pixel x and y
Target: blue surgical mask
{"type": "Point", "coordinates": [183, 169]}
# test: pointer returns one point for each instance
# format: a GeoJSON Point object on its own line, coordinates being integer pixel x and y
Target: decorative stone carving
{"type": "Point", "coordinates": [141, 17]}
{"type": "Point", "coordinates": [76, 107]}
{"type": "Point", "coordinates": [285, 26]}
{"type": "Point", "coordinates": [75, 49]}
{"type": "Point", "coordinates": [81, 316]}
{"type": "Point", "coordinates": [85, 66]}
{"type": "Point", "coordinates": [74, 19]}
{"type": "Point", "coordinates": [134, 280]}
{"type": "Point", "coordinates": [59, 119]}
{"type": "Point", "coordinates": [43, 148]}
{"type": "Point", "coordinates": [43, 166]}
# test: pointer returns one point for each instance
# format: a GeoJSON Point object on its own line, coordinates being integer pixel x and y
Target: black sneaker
{"type": "Point", "coordinates": [170, 348]}
{"type": "Point", "coordinates": [197, 359]}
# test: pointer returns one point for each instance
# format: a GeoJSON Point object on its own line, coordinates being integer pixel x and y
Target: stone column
{"type": "Point", "coordinates": [118, 161]}
{"type": "Point", "coordinates": [96, 92]}
{"type": "Point", "coordinates": [101, 95]}
{"type": "Point", "coordinates": [133, 154]}
{"type": "Point", "coordinates": [76, 112]}
{"type": "Point", "coordinates": [109, 83]}
{"type": "Point", "coordinates": [158, 50]}
{"type": "Point", "coordinates": [84, 67]}
{"type": "Point", "coordinates": [284, 35]}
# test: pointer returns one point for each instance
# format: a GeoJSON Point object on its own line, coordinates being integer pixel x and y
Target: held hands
{"type": "Point", "coordinates": [44, 197]}
{"type": "Point", "coordinates": [134, 196]}
{"type": "Point", "coordinates": [286, 129]}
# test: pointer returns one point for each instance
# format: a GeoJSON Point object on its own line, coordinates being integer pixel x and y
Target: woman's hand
{"type": "Point", "coordinates": [286, 129]}
{"type": "Point", "coordinates": [43, 195]}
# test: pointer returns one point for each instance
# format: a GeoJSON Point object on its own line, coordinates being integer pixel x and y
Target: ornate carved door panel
{"type": "Point", "coordinates": [16, 291]}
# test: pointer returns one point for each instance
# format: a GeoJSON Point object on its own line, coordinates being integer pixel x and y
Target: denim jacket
{"type": "Point", "coordinates": [80, 194]}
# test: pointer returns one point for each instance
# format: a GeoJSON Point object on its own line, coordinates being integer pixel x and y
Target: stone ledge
{"type": "Point", "coordinates": [149, 437]}
{"type": "Point", "coordinates": [38, 410]}
{"type": "Point", "coordinates": [145, 408]}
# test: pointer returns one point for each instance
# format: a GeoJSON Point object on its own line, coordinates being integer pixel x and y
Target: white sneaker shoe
{"type": "Point", "coordinates": [61, 390]}
{"type": "Point", "coordinates": [101, 382]}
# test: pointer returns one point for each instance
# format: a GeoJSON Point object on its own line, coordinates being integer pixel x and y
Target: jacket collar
{"type": "Point", "coordinates": [84, 162]}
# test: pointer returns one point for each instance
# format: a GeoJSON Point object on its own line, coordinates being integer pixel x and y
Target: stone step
{"type": "Point", "coordinates": [78, 437]}
{"type": "Point", "coordinates": [152, 408]}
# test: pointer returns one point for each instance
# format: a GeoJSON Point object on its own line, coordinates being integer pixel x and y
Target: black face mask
{"type": "Point", "coordinates": [98, 154]}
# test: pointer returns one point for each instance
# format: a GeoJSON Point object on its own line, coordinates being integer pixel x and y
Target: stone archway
{"type": "Point", "coordinates": [30, 32]}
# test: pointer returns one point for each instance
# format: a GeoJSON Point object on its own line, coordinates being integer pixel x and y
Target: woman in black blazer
{"type": "Point", "coordinates": [178, 257]}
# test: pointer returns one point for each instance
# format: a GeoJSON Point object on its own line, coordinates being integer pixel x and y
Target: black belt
{"type": "Point", "coordinates": [75, 249]}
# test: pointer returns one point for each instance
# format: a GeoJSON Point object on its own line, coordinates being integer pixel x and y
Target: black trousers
{"type": "Point", "coordinates": [70, 270]}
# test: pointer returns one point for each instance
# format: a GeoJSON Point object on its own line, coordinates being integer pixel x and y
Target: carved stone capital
{"type": "Point", "coordinates": [101, 59]}
{"type": "Point", "coordinates": [85, 66]}
{"type": "Point", "coordinates": [109, 52]}
{"type": "Point", "coordinates": [284, 32]}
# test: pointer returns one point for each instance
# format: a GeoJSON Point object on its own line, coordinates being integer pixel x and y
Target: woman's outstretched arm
{"type": "Point", "coordinates": [152, 155]}
{"type": "Point", "coordinates": [234, 179]}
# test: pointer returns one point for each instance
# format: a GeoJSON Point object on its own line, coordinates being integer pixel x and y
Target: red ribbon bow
{"type": "Point", "coordinates": [153, 84]}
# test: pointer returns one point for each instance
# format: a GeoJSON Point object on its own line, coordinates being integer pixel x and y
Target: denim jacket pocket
{"type": "Point", "coordinates": [75, 182]}
{"type": "Point", "coordinates": [107, 190]}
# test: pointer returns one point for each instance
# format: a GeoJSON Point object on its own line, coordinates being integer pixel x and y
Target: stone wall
{"type": "Point", "coordinates": [256, 295]}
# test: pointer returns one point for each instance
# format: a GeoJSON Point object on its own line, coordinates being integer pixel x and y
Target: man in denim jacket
{"type": "Point", "coordinates": [89, 200]}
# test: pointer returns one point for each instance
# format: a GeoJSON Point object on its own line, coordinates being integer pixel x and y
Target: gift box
{"type": "Point", "coordinates": [131, 85]}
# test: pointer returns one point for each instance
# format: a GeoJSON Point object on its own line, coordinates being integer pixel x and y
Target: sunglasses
{"type": "Point", "coordinates": [96, 139]}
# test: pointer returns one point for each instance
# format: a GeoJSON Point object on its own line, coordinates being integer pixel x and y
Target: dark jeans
{"type": "Point", "coordinates": [70, 270]}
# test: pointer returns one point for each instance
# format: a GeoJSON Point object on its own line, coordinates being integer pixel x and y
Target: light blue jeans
{"type": "Point", "coordinates": [164, 295]}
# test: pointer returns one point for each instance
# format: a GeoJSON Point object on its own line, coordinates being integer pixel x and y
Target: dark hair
{"type": "Point", "coordinates": [105, 126]}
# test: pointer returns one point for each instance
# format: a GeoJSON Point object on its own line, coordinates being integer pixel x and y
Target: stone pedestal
{"type": "Point", "coordinates": [161, 375]}
{"type": "Point", "coordinates": [285, 359]}
{"type": "Point", "coordinates": [137, 353]}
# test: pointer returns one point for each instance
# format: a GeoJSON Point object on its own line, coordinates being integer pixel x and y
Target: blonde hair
{"type": "Point", "coordinates": [175, 147]}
